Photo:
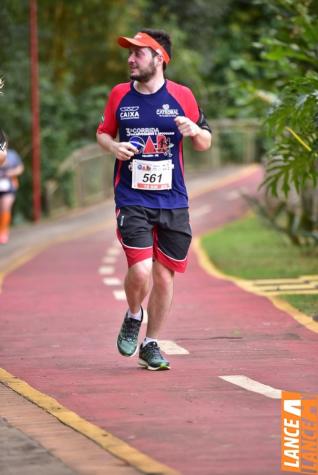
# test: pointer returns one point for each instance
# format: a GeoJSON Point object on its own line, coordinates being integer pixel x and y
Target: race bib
{"type": "Point", "coordinates": [5, 184]}
{"type": "Point", "coordinates": [152, 175]}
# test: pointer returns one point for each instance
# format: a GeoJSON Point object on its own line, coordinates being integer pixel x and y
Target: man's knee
{"type": "Point", "coordinates": [140, 272]}
{"type": "Point", "coordinates": [162, 276]}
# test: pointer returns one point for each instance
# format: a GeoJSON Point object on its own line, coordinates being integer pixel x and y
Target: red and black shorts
{"type": "Point", "coordinates": [162, 234]}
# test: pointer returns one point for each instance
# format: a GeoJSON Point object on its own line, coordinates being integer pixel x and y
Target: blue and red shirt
{"type": "Point", "coordinates": [147, 121]}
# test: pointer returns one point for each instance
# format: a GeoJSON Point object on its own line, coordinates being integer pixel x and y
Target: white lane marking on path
{"type": "Point", "coordinates": [119, 294]}
{"type": "Point", "coordinates": [113, 251]}
{"type": "Point", "coordinates": [171, 348]}
{"type": "Point", "coordinates": [112, 281]}
{"type": "Point", "coordinates": [234, 194]}
{"type": "Point", "coordinates": [106, 270]}
{"type": "Point", "coordinates": [202, 210]}
{"type": "Point", "coordinates": [145, 319]}
{"type": "Point", "coordinates": [252, 385]}
{"type": "Point", "coordinates": [109, 259]}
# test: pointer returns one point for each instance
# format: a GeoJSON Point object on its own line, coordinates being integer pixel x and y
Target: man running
{"type": "Point", "coordinates": [152, 115]}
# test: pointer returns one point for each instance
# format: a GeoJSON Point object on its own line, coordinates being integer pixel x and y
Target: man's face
{"type": "Point", "coordinates": [141, 63]}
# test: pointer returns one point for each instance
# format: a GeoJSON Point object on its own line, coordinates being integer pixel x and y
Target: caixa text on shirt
{"type": "Point", "coordinates": [129, 112]}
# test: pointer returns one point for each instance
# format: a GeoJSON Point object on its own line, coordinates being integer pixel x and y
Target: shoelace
{"type": "Point", "coordinates": [131, 329]}
{"type": "Point", "coordinates": [154, 349]}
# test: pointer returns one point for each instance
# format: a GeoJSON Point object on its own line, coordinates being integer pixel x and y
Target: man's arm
{"type": "Point", "coordinates": [201, 138]}
{"type": "Point", "coordinates": [3, 143]}
{"type": "Point", "coordinates": [3, 156]}
{"type": "Point", "coordinates": [121, 150]}
{"type": "Point", "coordinates": [16, 171]}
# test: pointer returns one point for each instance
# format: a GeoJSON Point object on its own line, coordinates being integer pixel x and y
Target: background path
{"type": "Point", "coordinates": [60, 314]}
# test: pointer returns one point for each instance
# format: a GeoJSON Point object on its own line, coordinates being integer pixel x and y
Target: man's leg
{"type": "Point", "coordinates": [136, 288]}
{"type": "Point", "coordinates": [135, 234]}
{"type": "Point", "coordinates": [172, 239]}
{"type": "Point", "coordinates": [137, 283]}
{"type": "Point", "coordinates": [6, 202]}
{"type": "Point", "coordinates": [159, 304]}
{"type": "Point", "coordinates": [160, 298]}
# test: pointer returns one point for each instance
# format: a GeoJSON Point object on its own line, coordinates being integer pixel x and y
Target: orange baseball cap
{"type": "Point", "coordinates": [144, 40]}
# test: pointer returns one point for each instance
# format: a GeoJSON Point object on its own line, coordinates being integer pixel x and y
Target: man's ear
{"type": "Point", "coordinates": [160, 59]}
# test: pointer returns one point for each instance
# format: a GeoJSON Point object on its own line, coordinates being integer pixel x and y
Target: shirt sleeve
{"type": "Point", "coordinates": [202, 122]}
{"type": "Point", "coordinates": [13, 159]}
{"type": "Point", "coordinates": [189, 104]}
{"type": "Point", "coordinates": [194, 112]}
{"type": "Point", "coordinates": [108, 124]}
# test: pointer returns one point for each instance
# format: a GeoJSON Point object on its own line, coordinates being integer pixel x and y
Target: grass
{"type": "Point", "coordinates": [307, 304]}
{"type": "Point", "coordinates": [249, 248]}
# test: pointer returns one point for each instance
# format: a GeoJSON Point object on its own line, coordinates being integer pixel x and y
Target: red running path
{"type": "Point", "coordinates": [59, 324]}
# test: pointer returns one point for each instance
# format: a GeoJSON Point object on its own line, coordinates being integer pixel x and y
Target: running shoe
{"type": "Point", "coordinates": [151, 358]}
{"type": "Point", "coordinates": [127, 340]}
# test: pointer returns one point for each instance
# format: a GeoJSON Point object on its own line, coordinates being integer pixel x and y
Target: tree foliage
{"type": "Point", "coordinates": [290, 53]}
{"type": "Point", "coordinates": [225, 50]}
{"type": "Point", "coordinates": [293, 124]}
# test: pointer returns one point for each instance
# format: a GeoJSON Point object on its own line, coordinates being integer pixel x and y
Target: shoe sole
{"type": "Point", "coordinates": [145, 365]}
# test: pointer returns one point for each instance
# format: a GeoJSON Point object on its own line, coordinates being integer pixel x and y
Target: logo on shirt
{"type": "Point", "coordinates": [129, 112]}
{"type": "Point", "coordinates": [161, 145]}
{"type": "Point", "coordinates": [142, 131]}
{"type": "Point", "coordinates": [138, 142]}
{"type": "Point", "coordinates": [165, 111]}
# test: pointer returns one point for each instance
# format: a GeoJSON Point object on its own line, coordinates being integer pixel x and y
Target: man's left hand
{"type": "Point", "coordinates": [186, 127]}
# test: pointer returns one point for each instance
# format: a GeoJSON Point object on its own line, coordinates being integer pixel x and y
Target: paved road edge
{"type": "Point", "coordinates": [211, 269]}
{"type": "Point", "coordinates": [104, 439]}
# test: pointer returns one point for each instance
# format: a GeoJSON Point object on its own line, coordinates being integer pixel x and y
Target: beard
{"type": "Point", "coordinates": [144, 75]}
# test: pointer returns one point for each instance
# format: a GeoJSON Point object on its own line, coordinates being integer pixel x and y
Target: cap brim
{"type": "Point", "coordinates": [128, 42]}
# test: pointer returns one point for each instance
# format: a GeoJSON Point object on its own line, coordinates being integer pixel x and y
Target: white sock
{"type": "Point", "coordinates": [148, 340]}
{"type": "Point", "coordinates": [136, 316]}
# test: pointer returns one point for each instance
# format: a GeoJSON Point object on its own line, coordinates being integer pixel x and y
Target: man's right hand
{"type": "Point", "coordinates": [123, 150]}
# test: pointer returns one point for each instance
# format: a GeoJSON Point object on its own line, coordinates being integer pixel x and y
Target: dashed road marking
{"type": "Point", "coordinates": [106, 270]}
{"type": "Point", "coordinates": [119, 294]}
{"type": "Point", "coordinates": [202, 210]}
{"type": "Point", "coordinates": [112, 281]}
{"type": "Point", "coordinates": [113, 251]}
{"type": "Point", "coordinates": [252, 385]}
{"type": "Point", "coordinates": [232, 195]}
{"type": "Point", "coordinates": [145, 319]}
{"type": "Point", "coordinates": [109, 259]}
{"type": "Point", "coordinates": [171, 348]}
